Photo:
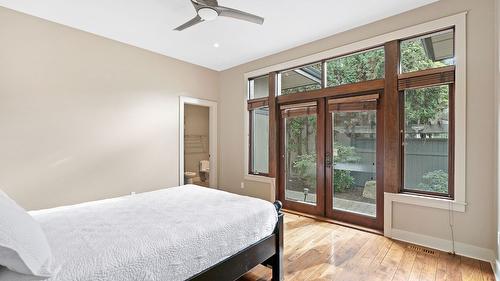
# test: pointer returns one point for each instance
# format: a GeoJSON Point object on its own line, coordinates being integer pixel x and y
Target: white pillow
{"type": "Point", "coordinates": [23, 245]}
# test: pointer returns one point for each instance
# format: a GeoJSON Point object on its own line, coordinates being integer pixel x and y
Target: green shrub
{"type": "Point", "coordinates": [342, 180]}
{"type": "Point", "coordinates": [435, 181]}
{"type": "Point", "coordinates": [303, 165]}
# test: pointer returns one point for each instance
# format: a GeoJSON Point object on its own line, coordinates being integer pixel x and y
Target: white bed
{"type": "Point", "coordinates": [170, 234]}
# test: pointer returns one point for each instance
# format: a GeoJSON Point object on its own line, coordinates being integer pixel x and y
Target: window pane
{"type": "Point", "coordinates": [426, 121]}
{"type": "Point", "coordinates": [364, 66]}
{"type": "Point", "coordinates": [354, 161]}
{"type": "Point", "coordinates": [429, 51]}
{"type": "Point", "coordinates": [300, 158]}
{"type": "Point", "coordinates": [301, 79]}
{"type": "Point", "coordinates": [260, 140]}
{"type": "Point", "coordinates": [259, 87]}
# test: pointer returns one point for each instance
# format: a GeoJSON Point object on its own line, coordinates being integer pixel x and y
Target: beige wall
{"type": "Point", "coordinates": [476, 225]}
{"type": "Point", "coordinates": [83, 117]}
{"type": "Point", "coordinates": [196, 124]}
{"type": "Point", "coordinates": [496, 72]}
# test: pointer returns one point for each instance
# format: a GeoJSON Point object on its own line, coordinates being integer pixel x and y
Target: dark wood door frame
{"type": "Point", "coordinates": [317, 209]}
{"type": "Point", "coordinates": [376, 222]}
{"type": "Point", "coordinates": [324, 185]}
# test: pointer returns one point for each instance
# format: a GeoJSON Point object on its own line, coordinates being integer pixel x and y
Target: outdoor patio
{"type": "Point", "coordinates": [338, 203]}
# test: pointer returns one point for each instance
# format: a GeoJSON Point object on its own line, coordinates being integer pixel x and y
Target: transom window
{"type": "Point", "coordinates": [302, 79]}
{"type": "Point", "coordinates": [428, 51]}
{"type": "Point", "coordinates": [362, 66]}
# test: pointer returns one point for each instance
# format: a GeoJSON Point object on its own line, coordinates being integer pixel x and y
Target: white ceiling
{"type": "Point", "coordinates": [148, 24]}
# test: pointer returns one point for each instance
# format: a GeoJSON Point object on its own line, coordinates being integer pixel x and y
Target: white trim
{"type": "Point", "coordinates": [257, 178]}
{"type": "Point", "coordinates": [495, 264]}
{"type": "Point", "coordinates": [460, 161]}
{"type": "Point", "coordinates": [268, 180]}
{"type": "Point", "coordinates": [246, 134]}
{"type": "Point", "coordinates": [431, 202]}
{"type": "Point", "coordinates": [437, 203]}
{"type": "Point", "coordinates": [212, 105]}
{"type": "Point", "coordinates": [462, 249]}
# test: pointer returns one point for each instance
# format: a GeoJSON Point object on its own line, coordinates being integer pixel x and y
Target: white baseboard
{"type": "Point", "coordinates": [462, 249]}
{"type": "Point", "coordinates": [495, 264]}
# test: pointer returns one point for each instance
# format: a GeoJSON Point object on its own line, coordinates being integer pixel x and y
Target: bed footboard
{"type": "Point", "coordinates": [268, 251]}
{"type": "Point", "coordinates": [276, 261]}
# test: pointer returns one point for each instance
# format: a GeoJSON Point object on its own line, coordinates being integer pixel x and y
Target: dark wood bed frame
{"type": "Point", "coordinates": [268, 251]}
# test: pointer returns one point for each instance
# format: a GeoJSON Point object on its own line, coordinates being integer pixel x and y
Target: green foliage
{"type": "Point", "coordinates": [435, 181]}
{"type": "Point", "coordinates": [296, 129]}
{"type": "Point", "coordinates": [304, 88]}
{"type": "Point", "coordinates": [424, 105]}
{"type": "Point", "coordinates": [345, 154]}
{"type": "Point", "coordinates": [421, 105]}
{"type": "Point", "coordinates": [303, 165]}
{"type": "Point", "coordinates": [355, 68]}
{"type": "Point", "coordinates": [342, 180]}
{"type": "Point", "coordinates": [413, 57]}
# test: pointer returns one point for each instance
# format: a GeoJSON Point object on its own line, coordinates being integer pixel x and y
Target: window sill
{"type": "Point", "coordinates": [257, 178]}
{"type": "Point", "coordinates": [425, 201]}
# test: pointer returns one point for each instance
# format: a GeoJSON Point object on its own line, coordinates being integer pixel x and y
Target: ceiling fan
{"type": "Point", "coordinates": [208, 10]}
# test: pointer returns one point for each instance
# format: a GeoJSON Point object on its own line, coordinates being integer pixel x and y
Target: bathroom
{"type": "Point", "coordinates": [196, 145]}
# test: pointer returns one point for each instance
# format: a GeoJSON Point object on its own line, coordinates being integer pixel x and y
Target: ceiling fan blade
{"type": "Point", "coordinates": [237, 14]}
{"type": "Point", "coordinates": [211, 3]}
{"type": "Point", "coordinates": [190, 23]}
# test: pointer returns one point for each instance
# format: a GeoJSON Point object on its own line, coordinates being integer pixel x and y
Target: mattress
{"type": "Point", "coordinates": [170, 234]}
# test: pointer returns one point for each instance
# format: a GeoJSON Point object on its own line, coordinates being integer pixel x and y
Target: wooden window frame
{"type": "Point", "coordinates": [251, 106]}
{"type": "Point", "coordinates": [427, 78]}
{"type": "Point", "coordinates": [389, 101]}
{"type": "Point", "coordinates": [271, 103]}
{"type": "Point", "coordinates": [451, 144]}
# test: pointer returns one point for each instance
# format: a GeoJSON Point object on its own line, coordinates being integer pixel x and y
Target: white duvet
{"type": "Point", "coordinates": [170, 234]}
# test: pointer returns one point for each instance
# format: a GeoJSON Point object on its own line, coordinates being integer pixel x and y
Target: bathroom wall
{"type": "Point", "coordinates": [196, 132]}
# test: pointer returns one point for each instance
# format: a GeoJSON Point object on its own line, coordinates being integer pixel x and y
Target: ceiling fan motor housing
{"type": "Point", "coordinates": [208, 14]}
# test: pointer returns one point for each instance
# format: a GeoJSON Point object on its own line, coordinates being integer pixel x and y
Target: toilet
{"type": "Point", "coordinates": [188, 177]}
{"type": "Point", "coordinates": [204, 170]}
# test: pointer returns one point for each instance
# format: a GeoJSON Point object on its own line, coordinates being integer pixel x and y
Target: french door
{"type": "Point", "coordinates": [330, 162]}
{"type": "Point", "coordinates": [302, 154]}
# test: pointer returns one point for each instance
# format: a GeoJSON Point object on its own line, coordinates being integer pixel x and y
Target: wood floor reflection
{"type": "Point", "coordinates": [316, 250]}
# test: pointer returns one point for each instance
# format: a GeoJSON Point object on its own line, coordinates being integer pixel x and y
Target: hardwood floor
{"type": "Point", "coordinates": [317, 250]}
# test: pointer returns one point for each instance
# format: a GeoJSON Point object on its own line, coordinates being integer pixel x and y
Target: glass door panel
{"type": "Point", "coordinates": [300, 158]}
{"type": "Point", "coordinates": [354, 161]}
{"type": "Point", "coordinates": [353, 144]}
{"type": "Point", "coordinates": [329, 150]}
{"type": "Point", "coordinates": [300, 134]}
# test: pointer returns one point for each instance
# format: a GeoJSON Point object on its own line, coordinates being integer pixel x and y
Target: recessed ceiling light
{"type": "Point", "coordinates": [216, 45]}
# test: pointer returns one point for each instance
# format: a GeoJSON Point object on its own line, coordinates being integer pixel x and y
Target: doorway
{"type": "Point", "coordinates": [330, 158]}
{"type": "Point", "coordinates": [197, 142]}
